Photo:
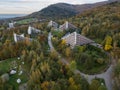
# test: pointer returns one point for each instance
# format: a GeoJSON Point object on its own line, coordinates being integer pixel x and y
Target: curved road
{"type": "Point", "coordinates": [107, 75]}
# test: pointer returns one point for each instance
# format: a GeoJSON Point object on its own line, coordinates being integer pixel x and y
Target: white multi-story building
{"type": "Point", "coordinates": [20, 37]}
{"type": "Point", "coordinates": [11, 25]}
{"type": "Point", "coordinates": [32, 30]}
{"type": "Point", "coordinates": [75, 39]}
{"type": "Point", "coordinates": [53, 24]}
{"type": "Point", "coordinates": [67, 26]}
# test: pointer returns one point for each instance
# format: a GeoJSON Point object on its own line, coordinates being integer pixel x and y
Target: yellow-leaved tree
{"type": "Point", "coordinates": [108, 43]}
{"type": "Point", "coordinates": [63, 42]}
{"type": "Point", "coordinates": [68, 51]}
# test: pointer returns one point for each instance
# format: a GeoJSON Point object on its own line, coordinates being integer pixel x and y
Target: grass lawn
{"type": "Point", "coordinates": [13, 80]}
{"type": "Point", "coordinates": [93, 60]}
{"type": "Point", "coordinates": [26, 21]}
{"type": "Point", "coordinates": [94, 70]}
{"type": "Point", "coordinates": [5, 65]}
{"type": "Point", "coordinates": [2, 28]}
{"type": "Point", "coordinates": [58, 34]}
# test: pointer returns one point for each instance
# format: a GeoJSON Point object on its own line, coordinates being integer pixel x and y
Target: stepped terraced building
{"type": "Point", "coordinates": [53, 24]}
{"type": "Point", "coordinates": [66, 26]}
{"type": "Point", "coordinates": [11, 25]}
{"type": "Point", "coordinates": [20, 37]}
{"type": "Point", "coordinates": [32, 30]}
{"type": "Point", "coordinates": [75, 39]}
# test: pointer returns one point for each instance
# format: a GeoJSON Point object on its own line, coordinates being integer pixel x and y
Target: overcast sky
{"type": "Point", "coordinates": [29, 6]}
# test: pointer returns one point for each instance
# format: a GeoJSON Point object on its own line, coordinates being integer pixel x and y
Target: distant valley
{"type": "Point", "coordinates": [6, 16]}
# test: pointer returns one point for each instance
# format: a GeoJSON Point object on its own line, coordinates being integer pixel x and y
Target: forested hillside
{"type": "Point", "coordinates": [59, 10]}
{"type": "Point", "coordinates": [64, 10]}
{"type": "Point", "coordinates": [99, 22]}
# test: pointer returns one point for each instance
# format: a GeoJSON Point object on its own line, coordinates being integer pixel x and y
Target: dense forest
{"type": "Point", "coordinates": [99, 22]}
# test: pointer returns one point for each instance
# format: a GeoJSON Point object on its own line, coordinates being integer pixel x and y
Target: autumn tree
{"type": "Point", "coordinates": [94, 85]}
{"type": "Point", "coordinates": [1, 84]}
{"type": "Point", "coordinates": [116, 74]}
{"type": "Point", "coordinates": [68, 52]}
{"type": "Point", "coordinates": [45, 85]}
{"type": "Point", "coordinates": [108, 43]}
{"type": "Point", "coordinates": [102, 87]}
{"type": "Point", "coordinates": [54, 55]}
{"type": "Point", "coordinates": [72, 65]}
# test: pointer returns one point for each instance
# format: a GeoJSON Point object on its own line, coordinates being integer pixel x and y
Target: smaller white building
{"type": "Point", "coordinates": [13, 72]}
{"type": "Point", "coordinates": [18, 81]}
{"type": "Point", "coordinates": [18, 58]}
